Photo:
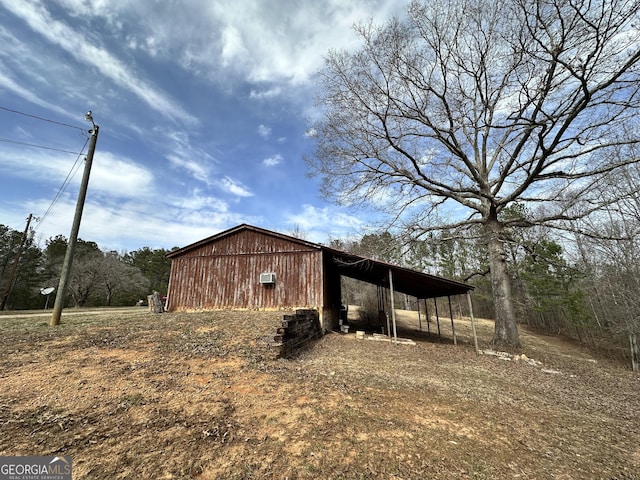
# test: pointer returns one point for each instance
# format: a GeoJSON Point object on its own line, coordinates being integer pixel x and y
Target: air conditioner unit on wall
{"type": "Point", "coordinates": [268, 278]}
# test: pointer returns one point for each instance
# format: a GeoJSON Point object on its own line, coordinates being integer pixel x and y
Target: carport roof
{"type": "Point", "coordinates": [414, 283]}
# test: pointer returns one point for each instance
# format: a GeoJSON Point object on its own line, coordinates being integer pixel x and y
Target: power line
{"type": "Point", "coordinates": [42, 118]}
{"type": "Point", "coordinates": [74, 168]}
{"type": "Point", "coordinates": [6, 140]}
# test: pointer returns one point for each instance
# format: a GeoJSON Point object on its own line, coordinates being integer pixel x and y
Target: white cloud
{"type": "Point", "coordinates": [9, 84]}
{"type": "Point", "coordinates": [197, 201]}
{"type": "Point", "coordinates": [133, 225]}
{"type": "Point", "coordinates": [312, 216]}
{"type": "Point", "coordinates": [16, 59]}
{"type": "Point", "coordinates": [235, 187]}
{"type": "Point", "coordinates": [183, 155]}
{"type": "Point", "coordinates": [273, 160]}
{"type": "Point", "coordinates": [83, 7]}
{"type": "Point", "coordinates": [265, 94]}
{"type": "Point", "coordinates": [324, 223]}
{"type": "Point", "coordinates": [233, 49]}
{"type": "Point", "coordinates": [84, 51]}
{"type": "Point", "coordinates": [195, 168]}
{"type": "Point", "coordinates": [110, 173]}
{"type": "Point", "coordinates": [151, 46]}
{"type": "Point", "coordinates": [287, 43]}
{"type": "Point", "coordinates": [261, 41]}
{"type": "Point", "coordinates": [157, 221]}
{"type": "Point", "coordinates": [264, 131]}
{"type": "Point", "coordinates": [120, 177]}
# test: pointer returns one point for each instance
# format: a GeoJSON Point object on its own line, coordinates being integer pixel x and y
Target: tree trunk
{"type": "Point", "coordinates": [506, 329]}
{"type": "Point", "coordinates": [155, 303]}
{"type": "Point", "coordinates": [109, 296]}
{"type": "Point", "coordinates": [633, 341]}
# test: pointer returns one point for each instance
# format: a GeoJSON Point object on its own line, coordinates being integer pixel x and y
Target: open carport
{"type": "Point", "coordinates": [390, 278]}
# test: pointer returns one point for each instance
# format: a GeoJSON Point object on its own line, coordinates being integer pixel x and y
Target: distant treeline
{"type": "Point", "coordinates": [97, 278]}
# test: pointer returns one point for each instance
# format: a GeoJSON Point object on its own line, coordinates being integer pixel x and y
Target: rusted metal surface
{"type": "Point", "coordinates": [224, 273]}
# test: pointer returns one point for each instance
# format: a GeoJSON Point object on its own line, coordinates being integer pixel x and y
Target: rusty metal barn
{"type": "Point", "coordinates": [247, 267]}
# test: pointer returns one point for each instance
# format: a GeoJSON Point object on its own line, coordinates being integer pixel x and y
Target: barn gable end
{"type": "Point", "coordinates": [223, 272]}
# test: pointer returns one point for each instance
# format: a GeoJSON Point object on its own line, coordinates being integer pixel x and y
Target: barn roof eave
{"type": "Point", "coordinates": [411, 282]}
{"type": "Point", "coordinates": [239, 228]}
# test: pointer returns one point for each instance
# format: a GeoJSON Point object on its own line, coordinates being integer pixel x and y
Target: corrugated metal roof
{"type": "Point", "coordinates": [405, 280]}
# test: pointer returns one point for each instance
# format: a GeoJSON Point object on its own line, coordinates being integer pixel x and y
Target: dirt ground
{"type": "Point", "coordinates": [131, 395]}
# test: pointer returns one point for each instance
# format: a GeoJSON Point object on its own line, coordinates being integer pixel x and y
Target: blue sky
{"type": "Point", "coordinates": [203, 109]}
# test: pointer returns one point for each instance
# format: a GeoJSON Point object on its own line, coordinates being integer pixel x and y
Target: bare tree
{"type": "Point", "coordinates": [464, 107]}
{"type": "Point", "coordinates": [119, 278]}
{"type": "Point", "coordinates": [84, 278]}
{"type": "Point", "coordinates": [613, 264]}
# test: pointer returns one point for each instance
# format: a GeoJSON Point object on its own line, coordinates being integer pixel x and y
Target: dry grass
{"type": "Point", "coordinates": [132, 395]}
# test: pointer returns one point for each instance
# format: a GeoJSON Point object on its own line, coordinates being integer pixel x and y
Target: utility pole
{"type": "Point", "coordinates": [14, 270]}
{"type": "Point", "coordinates": [73, 237]}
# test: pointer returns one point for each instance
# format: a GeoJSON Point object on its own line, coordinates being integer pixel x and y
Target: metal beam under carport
{"type": "Point", "coordinates": [435, 304]}
{"type": "Point", "coordinates": [393, 306]}
{"type": "Point", "coordinates": [393, 314]}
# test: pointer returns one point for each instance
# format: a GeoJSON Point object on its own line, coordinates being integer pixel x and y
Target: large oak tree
{"type": "Point", "coordinates": [462, 108]}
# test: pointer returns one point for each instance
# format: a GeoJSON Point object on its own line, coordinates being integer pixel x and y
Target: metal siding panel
{"type": "Point", "coordinates": [225, 274]}
{"type": "Point", "coordinates": [246, 242]}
